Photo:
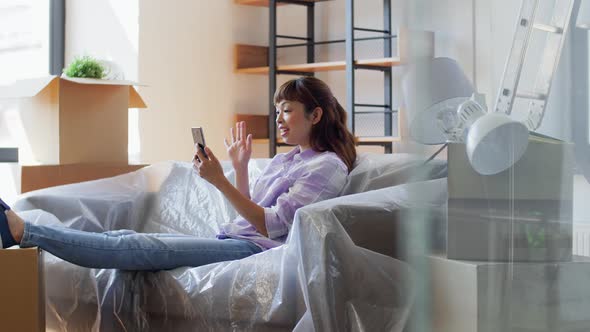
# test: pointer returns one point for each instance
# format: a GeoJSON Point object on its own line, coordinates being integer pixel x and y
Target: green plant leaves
{"type": "Point", "coordinates": [85, 66]}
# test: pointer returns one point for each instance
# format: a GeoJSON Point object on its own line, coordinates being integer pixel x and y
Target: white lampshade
{"type": "Point", "coordinates": [583, 20]}
{"type": "Point", "coordinates": [431, 89]}
{"type": "Point", "coordinates": [496, 142]}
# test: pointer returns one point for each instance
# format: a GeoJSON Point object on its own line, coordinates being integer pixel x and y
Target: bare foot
{"type": "Point", "coordinates": [16, 225]}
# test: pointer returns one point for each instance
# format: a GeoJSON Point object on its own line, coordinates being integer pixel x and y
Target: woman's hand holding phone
{"type": "Point", "coordinates": [208, 167]}
{"type": "Point", "coordinates": [239, 149]}
{"type": "Point", "coordinates": [199, 140]}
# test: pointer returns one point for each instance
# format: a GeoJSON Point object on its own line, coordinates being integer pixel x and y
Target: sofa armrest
{"type": "Point", "coordinates": [394, 232]}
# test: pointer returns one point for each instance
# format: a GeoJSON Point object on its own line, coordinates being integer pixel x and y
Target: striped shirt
{"type": "Point", "coordinates": [290, 181]}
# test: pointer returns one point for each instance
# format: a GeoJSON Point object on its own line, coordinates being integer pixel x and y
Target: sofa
{"type": "Point", "coordinates": [343, 267]}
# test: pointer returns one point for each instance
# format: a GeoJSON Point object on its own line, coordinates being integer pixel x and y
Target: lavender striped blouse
{"type": "Point", "coordinates": [290, 181]}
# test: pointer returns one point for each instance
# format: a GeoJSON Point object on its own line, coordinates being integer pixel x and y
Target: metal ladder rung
{"type": "Point", "coordinates": [530, 95]}
{"type": "Point", "coordinates": [548, 28]}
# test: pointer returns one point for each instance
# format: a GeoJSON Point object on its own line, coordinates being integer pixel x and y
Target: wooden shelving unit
{"type": "Point", "coordinates": [377, 140]}
{"type": "Point", "coordinates": [361, 140]}
{"type": "Point", "coordinates": [319, 66]}
{"type": "Point", "coordinates": [262, 60]}
{"type": "Point", "coordinates": [265, 3]}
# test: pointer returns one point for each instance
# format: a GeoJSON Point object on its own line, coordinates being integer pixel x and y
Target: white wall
{"type": "Point", "coordinates": [183, 51]}
{"type": "Point", "coordinates": [186, 56]}
{"type": "Point", "coordinates": [107, 30]}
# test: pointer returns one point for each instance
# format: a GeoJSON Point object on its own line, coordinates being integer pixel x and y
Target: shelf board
{"type": "Point", "coordinates": [368, 140]}
{"type": "Point", "coordinates": [260, 141]}
{"type": "Point", "coordinates": [386, 139]}
{"type": "Point", "coordinates": [322, 66]}
{"type": "Point", "coordinates": [265, 141]}
{"type": "Point", "coordinates": [264, 3]}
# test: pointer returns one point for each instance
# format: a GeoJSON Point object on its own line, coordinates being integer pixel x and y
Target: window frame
{"type": "Point", "coordinates": [57, 24]}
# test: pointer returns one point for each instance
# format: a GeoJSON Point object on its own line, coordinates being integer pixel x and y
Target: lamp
{"type": "Point", "coordinates": [433, 89]}
{"type": "Point", "coordinates": [443, 107]}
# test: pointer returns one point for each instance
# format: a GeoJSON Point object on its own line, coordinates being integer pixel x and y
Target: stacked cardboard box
{"type": "Point", "coordinates": [75, 122]}
{"type": "Point", "coordinates": [76, 130]}
{"type": "Point", "coordinates": [522, 214]}
{"type": "Point", "coordinates": [22, 307]}
{"type": "Point", "coordinates": [509, 263]}
{"type": "Point", "coordinates": [478, 296]}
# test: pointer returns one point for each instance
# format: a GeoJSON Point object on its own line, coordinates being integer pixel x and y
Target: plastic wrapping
{"type": "Point", "coordinates": [322, 278]}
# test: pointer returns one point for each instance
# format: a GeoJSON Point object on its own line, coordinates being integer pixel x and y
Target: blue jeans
{"type": "Point", "coordinates": [128, 250]}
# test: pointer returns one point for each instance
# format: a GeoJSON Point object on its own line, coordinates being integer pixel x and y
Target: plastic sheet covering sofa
{"type": "Point", "coordinates": [335, 272]}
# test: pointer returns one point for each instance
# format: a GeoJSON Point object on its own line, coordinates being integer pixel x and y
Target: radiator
{"type": "Point", "coordinates": [581, 239]}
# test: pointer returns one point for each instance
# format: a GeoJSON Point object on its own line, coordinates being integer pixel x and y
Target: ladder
{"type": "Point", "coordinates": [556, 32]}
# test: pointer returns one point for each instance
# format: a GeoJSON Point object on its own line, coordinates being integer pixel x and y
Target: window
{"type": "Point", "coordinates": [31, 44]}
{"type": "Point", "coordinates": [24, 39]}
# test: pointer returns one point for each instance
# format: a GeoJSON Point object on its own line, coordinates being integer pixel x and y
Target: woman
{"type": "Point", "coordinates": [308, 116]}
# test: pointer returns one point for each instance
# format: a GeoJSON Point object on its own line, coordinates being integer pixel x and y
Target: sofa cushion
{"type": "Point", "coordinates": [376, 171]}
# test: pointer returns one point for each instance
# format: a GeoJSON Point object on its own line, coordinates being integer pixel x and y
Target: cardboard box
{"type": "Point", "coordinates": [476, 296]}
{"type": "Point", "coordinates": [39, 177]}
{"type": "Point", "coordinates": [22, 287]}
{"type": "Point", "coordinates": [523, 214]}
{"type": "Point", "coordinates": [75, 120]}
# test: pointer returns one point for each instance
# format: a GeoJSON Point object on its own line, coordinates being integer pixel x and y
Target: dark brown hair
{"type": "Point", "coordinates": [331, 132]}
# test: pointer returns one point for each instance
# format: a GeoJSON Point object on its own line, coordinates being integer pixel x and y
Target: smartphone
{"type": "Point", "coordinates": [3, 205]}
{"type": "Point", "coordinates": [199, 139]}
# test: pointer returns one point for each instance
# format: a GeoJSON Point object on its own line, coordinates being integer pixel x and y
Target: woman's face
{"type": "Point", "coordinates": [293, 125]}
